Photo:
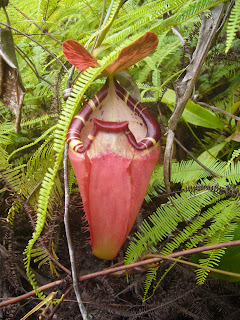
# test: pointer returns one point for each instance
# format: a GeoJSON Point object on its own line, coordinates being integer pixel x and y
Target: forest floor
{"type": "Point", "coordinates": [118, 297]}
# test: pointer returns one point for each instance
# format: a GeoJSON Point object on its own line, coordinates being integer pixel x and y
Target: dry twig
{"type": "Point", "coordinates": [147, 262]}
{"type": "Point", "coordinates": [185, 84]}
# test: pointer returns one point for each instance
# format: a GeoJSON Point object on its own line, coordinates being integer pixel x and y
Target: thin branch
{"type": "Point", "coordinates": [31, 64]}
{"type": "Point", "coordinates": [177, 32]}
{"type": "Point", "coordinates": [59, 304]}
{"type": "Point", "coordinates": [8, 21]}
{"type": "Point", "coordinates": [127, 267]}
{"type": "Point", "coordinates": [198, 140]}
{"type": "Point", "coordinates": [68, 235]}
{"type": "Point", "coordinates": [44, 48]}
{"type": "Point", "coordinates": [195, 265]}
{"type": "Point", "coordinates": [194, 158]}
{"type": "Point", "coordinates": [156, 260]}
{"type": "Point", "coordinates": [185, 85]}
{"type": "Point", "coordinates": [70, 78]}
{"type": "Point", "coordinates": [182, 146]}
{"type": "Point", "coordinates": [33, 22]}
{"type": "Point", "coordinates": [66, 223]}
{"type": "Point", "coordinates": [31, 293]}
{"type": "Point", "coordinates": [100, 24]}
{"type": "Point", "coordinates": [167, 161]}
{"type": "Point", "coordinates": [219, 110]}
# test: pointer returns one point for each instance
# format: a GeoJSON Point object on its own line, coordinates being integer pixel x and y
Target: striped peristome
{"type": "Point", "coordinates": [153, 130]}
{"type": "Point", "coordinates": [78, 122]}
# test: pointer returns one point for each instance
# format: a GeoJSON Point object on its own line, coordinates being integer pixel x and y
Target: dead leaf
{"type": "Point", "coordinates": [11, 87]}
{"type": "Point", "coordinates": [236, 136]}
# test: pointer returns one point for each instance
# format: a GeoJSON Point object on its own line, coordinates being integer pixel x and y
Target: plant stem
{"type": "Point", "coordinates": [100, 24]}
{"type": "Point", "coordinates": [194, 158]}
{"type": "Point", "coordinates": [44, 48]}
{"type": "Point", "coordinates": [68, 235]}
{"type": "Point", "coordinates": [185, 84]}
{"type": "Point", "coordinates": [130, 266]}
{"type": "Point", "coordinates": [227, 273]}
{"type": "Point", "coordinates": [33, 22]}
{"type": "Point", "coordinates": [59, 304]}
{"type": "Point", "coordinates": [219, 110]}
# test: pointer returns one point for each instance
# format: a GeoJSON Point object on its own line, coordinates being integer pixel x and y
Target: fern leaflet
{"type": "Point", "coordinates": [233, 24]}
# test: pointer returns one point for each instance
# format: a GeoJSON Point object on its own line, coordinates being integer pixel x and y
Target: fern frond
{"type": "Point", "coordinates": [15, 208]}
{"type": "Point", "coordinates": [109, 18]}
{"type": "Point", "coordinates": [163, 51]}
{"type": "Point", "coordinates": [150, 277]}
{"type": "Point", "coordinates": [9, 126]}
{"type": "Point", "coordinates": [198, 223]}
{"type": "Point", "coordinates": [183, 207]}
{"type": "Point", "coordinates": [160, 9]}
{"type": "Point", "coordinates": [187, 172]}
{"type": "Point", "coordinates": [45, 9]}
{"type": "Point", "coordinates": [153, 10]}
{"type": "Point", "coordinates": [221, 230]}
{"type": "Point", "coordinates": [43, 136]}
{"type": "Point", "coordinates": [42, 256]}
{"type": "Point", "coordinates": [190, 169]}
{"type": "Point", "coordinates": [233, 24]}
{"type": "Point", "coordinates": [13, 177]}
{"type": "Point", "coordinates": [72, 180]}
{"type": "Point", "coordinates": [235, 154]}
{"type": "Point", "coordinates": [36, 169]}
{"type": "Point", "coordinates": [210, 214]}
{"type": "Point", "coordinates": [232, 172]}
{"type": "Point", "coordinates": [5, 129]}
{"type": "Point", "coordinates": [3, 159]}
{"type": "Point", "coordinates": [188, 11]}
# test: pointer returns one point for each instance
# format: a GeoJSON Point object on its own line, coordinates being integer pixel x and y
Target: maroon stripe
{"type": "Point", "coordinates": [153, 129]}
{"type": "Point", "coordinates": [77, 124]}
{"type": "Point", "coordinates": [110, 126]}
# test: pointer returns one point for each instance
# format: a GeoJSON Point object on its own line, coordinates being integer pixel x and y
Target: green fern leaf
{"type": "Point", "coordinates": [110, 16]}
{"type": "Point", "coordinates": [160, 9]}
{"type": "Point", "coordinates": [150, 277]}
{"type": "Point", "coordinates": [188, 11]}
{"type": "Point", "coordinates": [233, 24]}
{"type": "Point", "coordinates": [45, 8]}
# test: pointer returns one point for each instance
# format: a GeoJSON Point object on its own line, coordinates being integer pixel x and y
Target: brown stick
{"type": "Point", "coordinates": [31, 293]}
{"type": "Point", "coordinates": [194, 158]}
{"type": "Point", "coordinates": [69, 239]}
{"type": "Point", "coordinates": [44, 48]}
{"type": "Point", "coordinates": [228, 114]}
{"type": "Point", "coordinates": [124, 267]}
{"type": "Point", "coordinates": [45, 32]}
{"type": "Point", "coordinates": [185, 85]}
{"type": "Point", "coordinates": [59, 304]}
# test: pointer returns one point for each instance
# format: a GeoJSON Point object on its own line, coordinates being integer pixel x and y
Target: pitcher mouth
{"type": "Point", "coordinates": [78, 123]}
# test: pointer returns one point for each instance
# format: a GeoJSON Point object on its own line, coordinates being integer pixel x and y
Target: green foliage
{"type": "Point", "coordinates": [203, 213]}
{"type": "Point", "coordinates": [30, 163]}
{"type": "Point", "coordinates": [229, 262]}
{"type": "Point", "coordinates": [26, 179]}
{"type": "Point", "coordinates": [194, 113]}
{"type": "Point", "coordinates": [46, 9]}
{"type": "Point", "coordinates": [15, 208]}
{"type": "Point", "coordinates": [233, 24]}
{"type": "Point", "coordinates": [42, 256]}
